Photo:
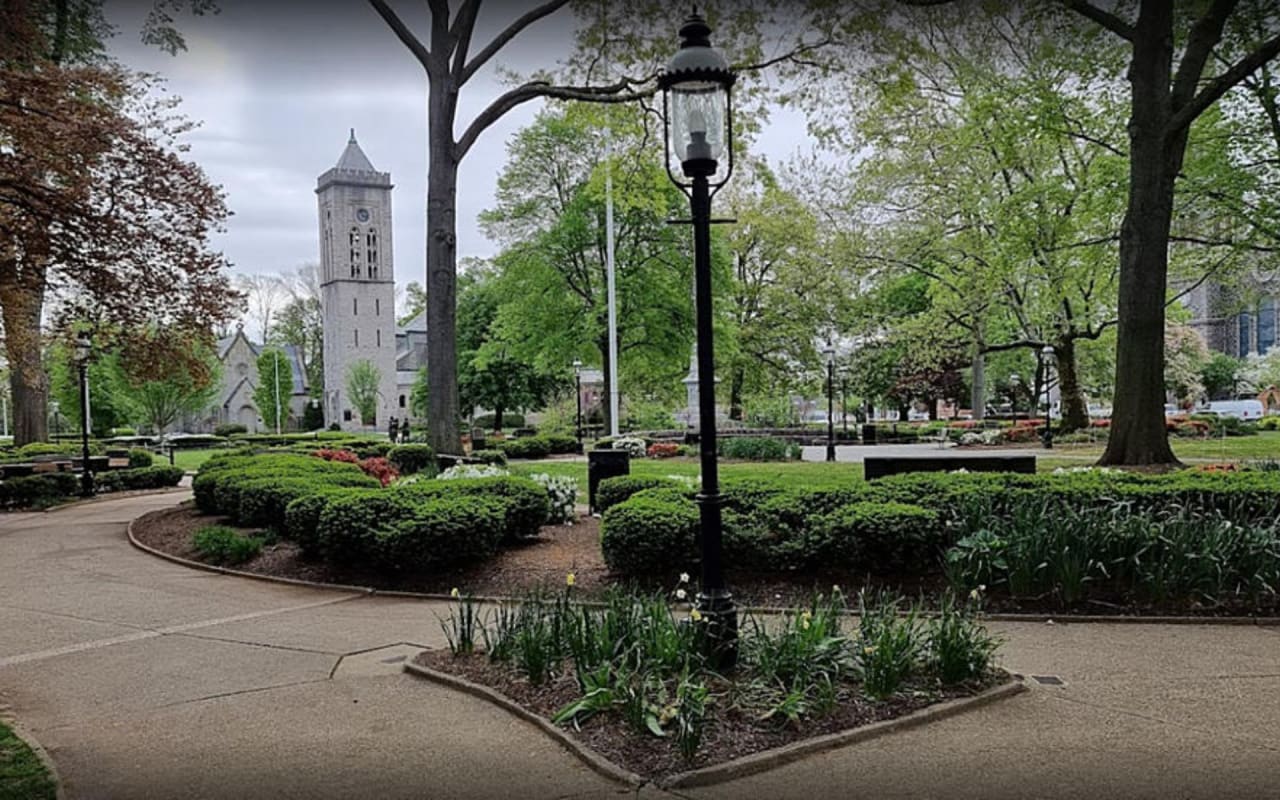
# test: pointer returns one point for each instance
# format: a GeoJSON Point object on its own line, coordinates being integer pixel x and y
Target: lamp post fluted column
{"type": "Point", "coordinates": [577, 375]}
{"type": "Point", "coordinates": [82, 352]}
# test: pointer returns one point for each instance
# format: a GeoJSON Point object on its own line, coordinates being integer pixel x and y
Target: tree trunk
{"type": "Point", "coordinates": [28, 381]}
{"type": "Point", "coordinates": [442, 280]}
{"type": "Point", "coordinates": [497, 419]}
{"type": "Point", "coordinates": [736, 381]}
{"type": "Point", "coordinates": [978, 391]}
{"type": "Point", "coordinates": [1075, 412]}
{"type": "Point", "coordinates": [1138, 435]}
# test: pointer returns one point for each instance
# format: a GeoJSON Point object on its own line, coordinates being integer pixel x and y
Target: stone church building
{"type": "Point", "coordinates": [357, 300]}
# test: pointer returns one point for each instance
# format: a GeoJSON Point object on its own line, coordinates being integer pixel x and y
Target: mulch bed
{"type": "Point", "coordinates": [731, 733]}
{"type": "Point", "coordinates": [542, 563]}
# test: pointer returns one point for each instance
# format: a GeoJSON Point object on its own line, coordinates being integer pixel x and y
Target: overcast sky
{"type": "Point", "coordinates": [277, 86]}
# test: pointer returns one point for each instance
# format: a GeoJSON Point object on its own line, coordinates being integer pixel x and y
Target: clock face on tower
{"type": "Point", "coordinates": [362, 215]}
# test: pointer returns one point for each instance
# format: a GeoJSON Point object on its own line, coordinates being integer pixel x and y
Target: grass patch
{"type": "Point", "coordinates": [22, 775]}
{"type": "Point", "coordinates": [189, 460]}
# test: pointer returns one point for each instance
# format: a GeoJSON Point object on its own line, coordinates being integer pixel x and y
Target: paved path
{"type": "Point", "coordinates": [148, 680]}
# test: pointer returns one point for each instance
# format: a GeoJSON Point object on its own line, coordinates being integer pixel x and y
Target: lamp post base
{"type": "Point", "coordinates": [719, 632]}
{"type": "Point", "coordinates": [831, 452]}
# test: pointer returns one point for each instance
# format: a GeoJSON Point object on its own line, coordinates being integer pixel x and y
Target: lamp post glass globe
{"type": "Point", "coordinates": [698, 122]}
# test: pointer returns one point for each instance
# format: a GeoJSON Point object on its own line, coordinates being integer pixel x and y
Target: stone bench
{"type": "Point", "coordinates": [879, 467]}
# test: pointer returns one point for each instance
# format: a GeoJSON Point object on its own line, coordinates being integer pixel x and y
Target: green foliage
{"type": "Point", "coordinates": [363, 379]}
{"type": "Point", "coordinates": [527, 504]}
{"type": "Point", "coordinates": [495, 457]}
{"type": "Point", "coordinates": [399, 531]}
{"type": "Point", "coordinates": [889, 649]}
{"type": "Point", "coordinates": [274, 389]}
{"type": "Point", "coordinates": [747, 448]}
{"type": "Point", "coordinates": [302, 516]}
{"type": "Point", "coordinates": [649, 536]}
{"type": "Point", "coordinates": [1220, 375]}
{"type": "Point", "coordinates": [139, 457]}
{"type": "Point", "coordinates": [509, 420]}
{"type": "Point", "coordinates": [37, 491]}
{"type": "Point", "coordinates": [229, 429]}
{"type": "Point", "coordinates": [123, 480]}
{"type": "Point", "coordinates": [64, 388]}
{"type": "Point", "coordinates": [411, 459]}
{"type": "Point", "coordinates": [222, 545]}
{"type": "Point", "coordinates": [960, 648]}
{"type": "Point", "coordinates": [23, 776]}
{"type": "Point", "coordinates": [531, 447]}
{"type": "Point", "coordinates": [160, 393]}
{"type": "Point", "coordinates": [612, 491]}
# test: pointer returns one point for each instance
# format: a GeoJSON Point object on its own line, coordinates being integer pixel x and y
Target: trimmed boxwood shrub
{"type": "Point", "coordinates": [139, 458]}
{"type": "Point", "coordinates": [37, 491]}
{"type": "Point", "coordinates": [879, 537]}
{"type": "Point", "coordinates": [509, 421]}
{"type": "Point", "coordinates": [560, 443]}
{"type": "Point", "coordinates": [411, 459]}
{"type": "Point", "coordinates": [532, 447]}
{"type": "Point", "coordinates": [758, 448]}
{"type": "Point", "coordinates": [612, 491]}
{"type": "Point", "coordinates": [229, 429]}
{"type": "Point", "coordinates": [526, 503]}
{"type": "Point", "coordinates": [124, 480]}
{"type": "Point", "coordinates": [399, 530]}
{"type": "Point", "coordinates": [302, 516]}
{"type": "Point", "coordinates": [263, 501]}
{"type": "Point", "coordinates": [494, 457]}
{"type": "Point", "coordinates": [650, 536]}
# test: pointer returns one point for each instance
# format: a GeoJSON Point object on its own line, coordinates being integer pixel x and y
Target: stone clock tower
{"type": "Point", "coordinates": [357, 285]}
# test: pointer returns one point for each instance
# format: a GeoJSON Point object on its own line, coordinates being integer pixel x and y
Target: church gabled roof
{"type": "Point", "coordinates": [353, 158]}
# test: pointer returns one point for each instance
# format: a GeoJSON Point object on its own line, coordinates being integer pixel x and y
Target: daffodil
{"type": "Point", "coordinates": [684, 577]}
{"type": "Point", "coordinates": [454, 593]}
{"type": "Point", "coordinates": [869, 650]}
{"type": "Point", "coordinates": [695, 615]}
{"type": "Point", "coordinates": [973, 595]}
{"type": "Point", "coordinates": [681, 594]}
{"type": "Point", "coordinates": [570, 579]}
{"type": "Point", "coordinates": [805, 616]}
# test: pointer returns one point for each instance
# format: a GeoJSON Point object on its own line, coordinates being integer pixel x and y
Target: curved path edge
{"type": "Point", "coordinates": [29, 739]}
{"type": "Point", "coordinates": [738, 767]}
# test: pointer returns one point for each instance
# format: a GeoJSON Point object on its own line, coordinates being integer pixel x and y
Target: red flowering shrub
{"type": "Point", "coordinates": [1225, 467]}
{"type": "Point", "coordinates": [663, 450]}
{"type": "Point", "coordinates": [1192, 427]}
{"type": "Point", "coordinates": [1100, 423]}
{"type": "Point", "coordinates": [345, 456]}
{"type": "Point", "coordinates": [1020, 433]}
{"type": "Point", "coordinates": [379, 468]}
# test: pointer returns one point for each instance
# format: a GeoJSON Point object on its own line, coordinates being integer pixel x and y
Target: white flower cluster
{"type": "Point", "coordinates": [992, 436]}
{"type": "Point", "coordinates": [563, 494]}
{"type": "Point", "coordinates": [1099, 470]}
{"type": "Point", "coordinates": [461, 471]}
{"type": "Point", "coordinates": [689, 481]}
{"type": "Point", "coordinates": [632, 444]}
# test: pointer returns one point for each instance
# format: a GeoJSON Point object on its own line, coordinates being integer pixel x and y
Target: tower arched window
{"type": "Point", "coordinates": [354, 241]}
{"type": "Point", "coordinates": [371, 252]}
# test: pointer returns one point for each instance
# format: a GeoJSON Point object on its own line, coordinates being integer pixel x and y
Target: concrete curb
{"type": "Point", "coordinates": [739, 767]}
{"type": "Point", "coordinates": [596, 762]}
{"type": "Point", "coordinates": [777, 757]}
{"type": "Point", "coordinates": [30, 740]}
{"type": "Point", "coordinates": [1065, 619]}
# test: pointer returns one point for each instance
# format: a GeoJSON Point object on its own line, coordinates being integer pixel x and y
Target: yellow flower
{"type": "Point", "coordinates": [869, 651]}
{"type": "Point", "coordinates": [569, 579]}
{"type": "Point", "coordinates": [454, 593]}
{"type": "Point", "coordinates": [804, 624]}
{"type": "Point", "coordinates": [695, 615]}
{"type": "Point", "coordinates": [973, 595]}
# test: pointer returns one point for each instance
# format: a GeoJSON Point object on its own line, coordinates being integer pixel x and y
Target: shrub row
{"type": "Point", "coordinates": [37, 491]}
{"type": "Point", "coordinates": [533, 447]}
{"type": "Point", "coordinates": [122, 480]}
{"type": "Point", "coordinates": [256, 490]}
{"type": "Point", "coordinates": [755, 448]}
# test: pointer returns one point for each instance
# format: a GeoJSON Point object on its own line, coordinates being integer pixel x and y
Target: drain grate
{"type": "Point", "coordinates": [1048, 680]}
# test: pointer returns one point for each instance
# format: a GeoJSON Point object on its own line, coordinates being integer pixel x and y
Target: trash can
{"type": "Point", "coordinates": [603, 464]}
{"type": "Point", "coordinates": [868, 434]}
{"type": "Point", "coordinates": [479, 439]}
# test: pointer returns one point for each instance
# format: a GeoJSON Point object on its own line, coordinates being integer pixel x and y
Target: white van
{"type": "Point", "coordinates": [1240, 409]}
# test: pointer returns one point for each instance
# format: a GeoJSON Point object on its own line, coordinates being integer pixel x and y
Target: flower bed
{"type": "Point", "coordinates": [629, 678]}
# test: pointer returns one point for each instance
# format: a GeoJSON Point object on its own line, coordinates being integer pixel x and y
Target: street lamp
{"type": "Point", "coordinates": [55, 407]}
{"type": "Point", "coordinates": [1014, 380]}
{"type": "Point", "coordinates": [830, 355]}
{"type": "Point", "coordinates": [82, 352]}
{"type": "Point", "coordinates": [577, 377]}
{"type": "Point", "coordinates": [1046, 363]}
{"type": "Point", "coordinates": [697, 116]}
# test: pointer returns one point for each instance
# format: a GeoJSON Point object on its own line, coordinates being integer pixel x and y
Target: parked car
{"type": "Point", "coordinates": [1101, 412]}
{"type": "Point", "coordinates": [1240, 409]}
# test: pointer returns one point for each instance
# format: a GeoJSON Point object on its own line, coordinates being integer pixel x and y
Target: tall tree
{"type": "Point", "coordinates": [101, 219]}
{"type": "Point", "coordinates": [160, 375]}
{"type": "Point", "coordinates": [300, 323]}
{"type": "Point", "coordinates": [274, 389]}
{"type": "Point", "coordinates": [264, 295]}
{"type": "Point", "coordinates": [446, 55]}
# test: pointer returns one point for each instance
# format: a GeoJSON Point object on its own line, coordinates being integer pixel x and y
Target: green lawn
{"type": "Point", "coordinates": [797, 473]}
{"type": "Point", "coordinates": [22, 775]}
{"type": "Point", "coordinates": [189, 460]}
{"type": "Point", "coordinates": [1233, 448]}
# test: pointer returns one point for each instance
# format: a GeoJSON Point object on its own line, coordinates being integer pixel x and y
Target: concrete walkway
{"type": "Point", "coordinates": [144, 679]}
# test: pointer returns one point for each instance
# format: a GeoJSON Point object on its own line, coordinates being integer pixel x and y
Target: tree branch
{"type": "Point", "coordinates": [402, 32]}
{"type": "Point", "coordinates": [1205, 34]}
{"type": "Point", "coordinates": [460, 36]}
{"type": "Point", "coordinates": [509, 33]}
{"type": "Point", "coordinates": [1104, 18]}
{"type": "Point", "coordinates": [1219, 86]}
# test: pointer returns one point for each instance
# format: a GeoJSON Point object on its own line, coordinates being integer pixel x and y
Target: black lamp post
{"type": "Point", "coordinates": [82, 352]}
{"type": "Point", "coordinates": [844, 406]}
{"type": "Point", "coordinates": [577, 378]}
{"type": "Point", "coordinates": [830, 355]}
{"type": "Point", "coordinates": [1014, 380]}
{"type": "Point", "coordinates": [1046, 364]}
{"type": "Point", "coordinates": [697, 104]}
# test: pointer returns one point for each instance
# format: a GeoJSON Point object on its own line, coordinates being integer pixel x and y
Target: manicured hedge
{"type": "Point", "coordinates": [223, 478]}
{"type": "Point", "coordinates": [612, 491]}
{"type": "Point", "coordinates": [509, 421]}
{"type": "Point", "coordinates": [527, 505]}
{"type": "Point", "coordinates": [756, 448]}
{"type": "Point", "coordinates": [650, 536]}
{"type": "Point", "coordinates": [400, 531]}
{"type": "Point", "coordinates": [495, 457]}
{"type": "Point", "coordinates": [411, 459]}
{"type": "Point", "coordinates": [124, 480]}
{"type": "Point", "coordinates": [302, 516]}
{"type": "Point", "coordinates": [531, 447]}
{"type": "Point", "coordinates": [37, 490]}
